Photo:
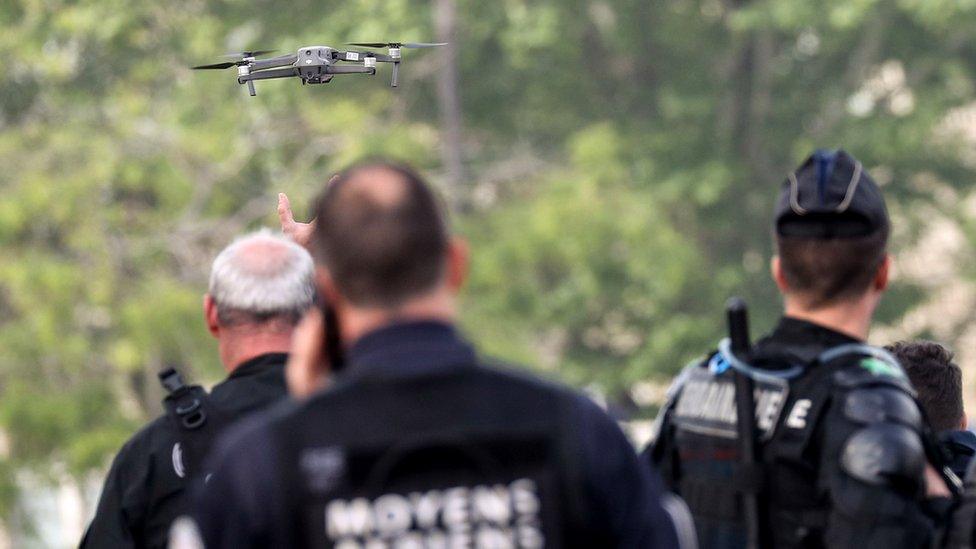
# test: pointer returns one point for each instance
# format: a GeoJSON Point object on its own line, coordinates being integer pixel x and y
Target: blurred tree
{"type": "Point", "coordinates": [620, 161]}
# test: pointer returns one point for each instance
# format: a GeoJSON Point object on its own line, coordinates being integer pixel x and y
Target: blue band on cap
{"type": "Point", "coordinates": [825, 161]}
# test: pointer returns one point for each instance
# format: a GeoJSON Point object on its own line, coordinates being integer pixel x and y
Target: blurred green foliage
{"type": "Point", "coordinates": [622, 158]}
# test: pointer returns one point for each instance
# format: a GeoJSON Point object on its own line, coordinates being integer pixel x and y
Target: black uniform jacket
{"type": "Point", "coordinates": [141, 497]}
{"type": "Point", "coordinates": [810, 500]}
{"type": "Point", "coordinates": [961, 446]}
{"type": "Point", "coordinates": [243, 504]}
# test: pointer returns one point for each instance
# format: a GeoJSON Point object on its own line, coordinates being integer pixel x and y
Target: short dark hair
{"type": "Point", "coordinates": [823, 272]}
{"type": "Point", "coordinates": [380, 251]}
{"type": "Point", "coordinates": [937, 379]}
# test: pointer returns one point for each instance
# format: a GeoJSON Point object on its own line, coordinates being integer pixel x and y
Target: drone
{"type": "Point", "coordinates": [316, 64]}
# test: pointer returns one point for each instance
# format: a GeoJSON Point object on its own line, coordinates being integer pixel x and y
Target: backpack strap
{"type": "Point", "coordinates": [876, 362]}
{"type": "Point", "coordinates": [189, 409]}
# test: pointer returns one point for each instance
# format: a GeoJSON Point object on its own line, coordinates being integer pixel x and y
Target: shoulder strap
{"type": "Point", "coordinates": [876, 366]}
{"type": "Point", "coordinates": [189, 408]}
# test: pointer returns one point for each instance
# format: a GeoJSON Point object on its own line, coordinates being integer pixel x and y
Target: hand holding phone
{"type": "Point", "coordinates": [307, 370]}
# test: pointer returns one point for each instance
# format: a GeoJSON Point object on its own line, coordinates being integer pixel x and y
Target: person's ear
{"type": "Point", "coordinates": [776, 270]}
{"type": "Point", "coordinates": [210, 315]}
{"type": "Point", "coordinates": [881, 278]}
{"type": "Point", "coordinates": [457, 263]}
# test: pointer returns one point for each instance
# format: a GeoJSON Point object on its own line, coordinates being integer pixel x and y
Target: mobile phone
{"type": "Point", "coordinates": [333, 340]}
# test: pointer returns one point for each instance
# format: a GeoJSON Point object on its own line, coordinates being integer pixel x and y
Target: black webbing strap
{"type": "Point", "coordinates": [189, 408]}
{"type": "Point", "coordinates": [182, 402]}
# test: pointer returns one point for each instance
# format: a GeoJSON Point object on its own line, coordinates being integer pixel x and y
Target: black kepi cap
{"type": "Point", "coordinates": [830, 195]}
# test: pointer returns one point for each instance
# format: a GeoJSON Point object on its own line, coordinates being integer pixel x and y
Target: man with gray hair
{"type": "Point", "coordinates": [260, 286]}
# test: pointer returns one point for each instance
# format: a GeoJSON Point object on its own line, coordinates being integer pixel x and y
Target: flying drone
{"type": "Point", "coordinates": [316, 64]}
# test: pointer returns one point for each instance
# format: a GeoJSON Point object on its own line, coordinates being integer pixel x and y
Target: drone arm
{"type": "Point", "coordinates": [351, 56]}
{"type": "Point", "coordinates": [282, 61]}
{"type": "Point", "coordinates": [268, 74]}
{"type": "Point", "coordinates": [349, 69]}
{"type": "Point", "coordinates": [383, 58]}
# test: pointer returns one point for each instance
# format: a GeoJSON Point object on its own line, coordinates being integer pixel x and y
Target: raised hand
{"type": "Point", "coordinates": [299, 232]}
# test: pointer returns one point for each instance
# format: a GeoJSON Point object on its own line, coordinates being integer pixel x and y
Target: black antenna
{"type": "Point", "coordinates": [737, 314]}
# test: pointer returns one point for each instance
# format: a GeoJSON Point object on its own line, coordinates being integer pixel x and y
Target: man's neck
{"type": "Point", "coordinates": [357, 322]}
{"type": "Point", "coordinates": [852, 319]}
{"type": "Point", "coordinates": [238, 347]}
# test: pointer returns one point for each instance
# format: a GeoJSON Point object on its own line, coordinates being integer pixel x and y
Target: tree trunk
{"type": "Point", "coordinates": [449, 100]}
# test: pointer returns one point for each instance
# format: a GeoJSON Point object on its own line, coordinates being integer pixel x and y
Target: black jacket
{"type": "Point", "coordinates": [961, 445]}
{"type": "Point", "coordinates": [143, 493]}
{"type": "Point", "coordinates": [364, 446]}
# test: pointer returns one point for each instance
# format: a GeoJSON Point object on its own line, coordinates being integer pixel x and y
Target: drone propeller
{"type": "Point", "coordinates": [245, 54]}
{"type": "Point", "coordinates": [215, 66]}
{"type": "Point", "coordinates": [411, 45]}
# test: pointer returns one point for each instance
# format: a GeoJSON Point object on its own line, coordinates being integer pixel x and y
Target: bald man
{"type": "Point", "coordinates": [260, 286]}
{"type": "Point", "coordinates": [417, 441]}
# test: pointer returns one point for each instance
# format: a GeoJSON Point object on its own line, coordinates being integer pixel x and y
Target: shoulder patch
{"type": "Point", "coordinates": [860, 375]}
{"type": "Point", "coordinates": [879, 367]}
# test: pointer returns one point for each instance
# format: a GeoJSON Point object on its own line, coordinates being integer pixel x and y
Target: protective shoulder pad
{"type": "Point", "coordinates": [872, 371]}
{"type": "Point", "coordinates": [886, 454]}
{"type": "Point", "coordinates": [868, 405]}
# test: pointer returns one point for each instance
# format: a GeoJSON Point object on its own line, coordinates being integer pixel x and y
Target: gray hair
{"type": "Point", "coordinates": [261, 276]}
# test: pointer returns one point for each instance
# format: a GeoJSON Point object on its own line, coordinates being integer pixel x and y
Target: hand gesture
{"type": "Point", "coordinates": [299, 232]}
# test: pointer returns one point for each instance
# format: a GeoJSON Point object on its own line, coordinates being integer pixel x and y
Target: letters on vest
{"type": "Point", "coordinates": [707, 404]}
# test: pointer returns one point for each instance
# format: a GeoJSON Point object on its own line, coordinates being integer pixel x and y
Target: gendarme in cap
{"type": "Point", "coordinates": [830, 196]}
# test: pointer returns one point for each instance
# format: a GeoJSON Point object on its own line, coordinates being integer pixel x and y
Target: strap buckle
{"type": "Point", "coordinates": [192, 415]}
{"type": "Point", "coordinates": [172, 380]}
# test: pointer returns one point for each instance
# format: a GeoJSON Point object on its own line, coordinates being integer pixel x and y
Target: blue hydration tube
{"type": "Point", "coordinates": [725, 359]}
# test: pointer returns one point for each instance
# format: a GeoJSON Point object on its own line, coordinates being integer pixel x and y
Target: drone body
{"type": "Point", "coordinates": [316, 64]}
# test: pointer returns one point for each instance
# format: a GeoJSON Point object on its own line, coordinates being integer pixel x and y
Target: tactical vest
{"type": "Point", "coordinates": [463, 458]}
{"type": "Point", "coordinates": [706, 461]}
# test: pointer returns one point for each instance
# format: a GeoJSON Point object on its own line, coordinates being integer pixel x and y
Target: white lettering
{"type": "Point", "coordinates": [436, 539]}
{"type": "Point", "coordinates": [767, 410]}
{"type": "Point", "coordinates": [530, 537]}
{"type": "Point", "coordinates": [494, 538]}
{"type": "Point", "coordinates": [392, 515]}
{"type": "Point", "coordinates": [492, 505]}
{"type": "Point", "coordinates": [524, 497]}
{"type": "Point", "coordinates": [413, 540]}
{"type": "Point", "coordinates": [459, 539]}
{"type": "Point", "coordinates": [456, 512]}
{"type": "Point", "coordinates": [798, 415]}
{"type": "Point", "coordinates": [426, 507]}
{"type": "Point", "coordinates": [479, 517]}
{"type": "Point", "coordinates": [348, 519]}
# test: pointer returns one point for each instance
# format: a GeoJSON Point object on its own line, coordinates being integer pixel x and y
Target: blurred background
{"type": "Point", "coordinates": [613, 163]}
